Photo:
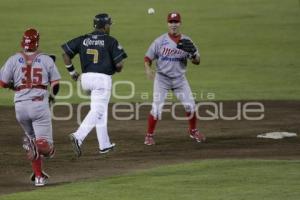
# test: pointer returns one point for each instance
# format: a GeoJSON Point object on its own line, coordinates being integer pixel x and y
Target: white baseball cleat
{"type": "Point", "coordinates": [106, 150]}
{"type": "Point", "coordinates": [197, 135]}
{"type": "Point", "coordinates": [44, 174]}
{"type": "Point", "coordinates": [40, 181]}
{"type": "Point", "coordinates": [149, 139]}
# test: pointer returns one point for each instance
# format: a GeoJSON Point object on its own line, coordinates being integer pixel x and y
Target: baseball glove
{"type": "Point", "coordinates": [53, 57]}
{"type": "Point", "coordinates": [51, 100]}
{"type": "Point", "coordinates": [11, 85]}
{"type": "Point", "coordinates": [187, 46]}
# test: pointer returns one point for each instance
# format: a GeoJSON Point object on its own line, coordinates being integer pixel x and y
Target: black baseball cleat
{"type": "Point", "coordinates": [75, 145]}
{"type": "Point", "coordinates": [106, 150]}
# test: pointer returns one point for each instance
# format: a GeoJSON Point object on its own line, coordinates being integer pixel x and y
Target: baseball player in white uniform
{"type": "Point", "coordinates": [101, 56]}
{"type": "Point", "coordinates": [171, 51]}
{"type": "Point", "coordinates": [29, 73]}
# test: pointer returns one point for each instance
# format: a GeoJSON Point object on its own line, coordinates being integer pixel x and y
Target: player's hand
{"type": "Point", "coordinates": [150, 74]}
{"type": "Point", "coordinates": [75, 76]}
{"type": "Point", "coordinates": [11, 85]}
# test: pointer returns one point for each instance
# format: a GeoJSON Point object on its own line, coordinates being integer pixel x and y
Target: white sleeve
{"type": "Point", "coordinates": [54, 73]}
{"type": "Point", "coordinates": [7, 71]}
{"type": "Point", "coordinates": [152, 51]}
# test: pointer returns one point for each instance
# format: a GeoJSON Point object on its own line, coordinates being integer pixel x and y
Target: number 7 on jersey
{"type": "Point", "coordinates": [95, 53]}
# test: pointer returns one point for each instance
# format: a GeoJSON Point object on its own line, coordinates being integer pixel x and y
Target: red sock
{"type": "Point", "coordinates": [192, 120]}
{"type": "Point", "coordinates": [37, 166]}
{"type": "Point", "coordinates": [151, 123]}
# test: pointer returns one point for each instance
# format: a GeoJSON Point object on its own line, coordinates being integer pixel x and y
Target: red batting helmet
{"type": "Point", "coordinates": [30, 40]}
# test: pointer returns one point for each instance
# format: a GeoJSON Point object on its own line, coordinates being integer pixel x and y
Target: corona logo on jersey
{"type": "Point", "coordinates": [30, 40]}
{"type": "Point", "coordinates": [88, 42]}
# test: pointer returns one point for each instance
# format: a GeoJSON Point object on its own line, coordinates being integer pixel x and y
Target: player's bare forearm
{"type": "Point", "coordinates": [149, 71]}
{"type": "Point", "coordinates": [70, 67]}
{"type": "Point", "coordinates": [67, 59]}
{"type": "Point", "coordinates": [147, 66]}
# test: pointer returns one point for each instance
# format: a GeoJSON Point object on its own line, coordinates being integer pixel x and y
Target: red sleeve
{"type": "Point", "coordinates": [3, 84]}
{"type": "Point", "coordinates": [147, 59]}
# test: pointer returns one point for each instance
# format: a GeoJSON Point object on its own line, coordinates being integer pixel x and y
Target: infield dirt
{"type": "Point", "coordinates": [225, 139]}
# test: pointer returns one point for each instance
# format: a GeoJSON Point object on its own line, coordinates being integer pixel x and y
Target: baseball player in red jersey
{"type": "Point", "coordinates": [171, 51]}
{"type": "Point", "coordinates": [28, 73]}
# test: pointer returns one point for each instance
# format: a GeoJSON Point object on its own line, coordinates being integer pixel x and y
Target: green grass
{"type": "Point", "coordinates": [208, 179]}
{"type": "Point", "coordinates": [249, 49]}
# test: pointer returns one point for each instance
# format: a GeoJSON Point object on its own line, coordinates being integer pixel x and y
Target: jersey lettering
{"type": "Point", "coordinates": [95, 54]}
{"type": "Point", "coordinates": [88, 42]}
{"type": "Point", "coordinates": [170, 60]}
{"type": "Point", "coordinates": [99, 52]}
{"type": "Point", "coordinates": [170, 52]}
{"type": "Point", "coordinates": [26, 80]}
{"type": "Point", "coordinates": [36, 74]}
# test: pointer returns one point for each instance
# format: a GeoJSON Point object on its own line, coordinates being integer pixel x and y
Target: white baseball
{"type": "Point", "coordinates": [151, 11]}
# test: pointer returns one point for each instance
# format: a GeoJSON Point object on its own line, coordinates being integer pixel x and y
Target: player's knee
{"type": "Point", "coordinates": [98, 110]}
{"type": "Point", "coordinates": [45, 148]}
{"type": "Point", "coordinates": [190, 108]}
{"type": "Point", "coordinates": [156, 113]}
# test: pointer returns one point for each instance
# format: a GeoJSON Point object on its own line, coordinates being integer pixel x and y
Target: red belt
{"type": "Point", "coordinates": [22, 87]}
